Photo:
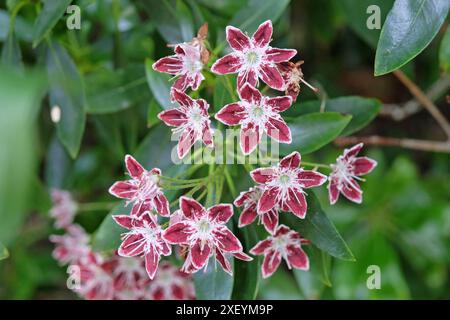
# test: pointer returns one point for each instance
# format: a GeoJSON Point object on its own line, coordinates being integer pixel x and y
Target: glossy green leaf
{"type": "Point", "coordinates": [280, 286]}
{"type": "Point", "coordinates": [224, 90]}
{"type": "Point", "coordinates": [3, 252]}
{"type": "Point", "coordinates": [67, 93]}
{"type": "Point", "coordinates": [159, 84]}
{"type": "Point", "coordinates": [409, 28]}
{"type": "Point", "coordinates": [213, 284]}
{"type": "Point", "coordinates": [444, 52]}
{"type": "Point", "coordinates": [48, 17]}
{"type": "Point", "coordinates": [363, 110]}
{"type": "Point", "coordinates": [317, 228]}
{"type": "Point", "coordinates": [152, 113]}
{"type": "Point", "coordinates": [313, 131]}
{"type": "Point", "coordinates": [57, 165]}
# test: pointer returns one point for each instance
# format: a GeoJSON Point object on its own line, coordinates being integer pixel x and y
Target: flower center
{"type": "Point", "coordinates": [196, 118]}
{"type": "Point", "coordinates": [252, 58]}
{"type": "Point", "coordinates": [258, 112]}
{"type": "Point", "coordinates": [193, 66]}
{"type": "Point", "coordinates": [284, 179]}
{"type": "Point", "coordinates": [148, 187]}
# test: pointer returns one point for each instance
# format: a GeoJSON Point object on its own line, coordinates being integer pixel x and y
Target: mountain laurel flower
{"type": "Point", "coordinates": [253, 58]}
{"type": "Point", "coordinates": [144, 238]}
{"type": "Point", "coordinates": [249, 200]}
{"type": "Point", "coordinates": [130, 278]}
{"type": "Point", "coordinates": [257, 114]}
{"type": "Point", "coordinates": [286, 244]}
{"type": "Point", "coordinates": [284, 185]}
{"type": "Point", "coordinates": [346, 171]}
{"type": "Point", "coordinates": [71, 247]}
{"type": "Point", "coordinates": [143, 189]}
{"type": "Point", "coordinates": [206, 234]}
{"type": "Point", "coordinates": [64, 208]}
{"type": "Point", "coordinates": [191, 120]}
{"type": "Point", "coordinates": [186, 65]}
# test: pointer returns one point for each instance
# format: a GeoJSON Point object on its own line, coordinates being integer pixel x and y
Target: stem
{"type": "Point", "coordinates": [96, 206]}
{"type": "Point", "coordinates": [230, 182]}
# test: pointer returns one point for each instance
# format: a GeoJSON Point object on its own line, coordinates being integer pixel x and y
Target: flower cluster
{"type": "Point", "coordinates": [95, 276]}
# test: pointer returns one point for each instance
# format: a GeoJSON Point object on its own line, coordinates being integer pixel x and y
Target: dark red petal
{"type": "Point", "coordinates": [297, 203]}
{"type": "Point", "coordinates": [124, 221]}
{"type": "Point", "coordinates": [223, 262]}
{"type": "Point", "coordinates": [173, 117]}
{"type": "Point", "coordinates": [151, 263]}
{"type": "Point", "coordinates": [242, 256]}
{"type": "Point", "coordinates": [352, 191]}
{"type": "Point", "coordinates": [230, 63]}
{"type": "Point", "coordinates": [270, 264]}
{"type": "Point", "coordinates": [248, 216]}
{"type": "Point", "coordinates": [171, 64]}
{"type": "Point", "coordinates": [250, 94]}
{"type": "Point", "coordinates": [186, 142]}
{"type": "Point", "coordinates": [263, 34]}
{"type": "Point", "coordinates": [297, 258]}
{"type": "Point", "coordinates": [242, 198]}
{"type": "Point", "coordinates": [261, 247]}
{"type": "Point", "coordinates": [310, 178]}
{"type": "Point", "coordinates": [279, 104]}
{"type": "Point", "coordinates": [178, 233]}
{"type": "Point", "coordinates": [231, 114]}
{"type": "Point", "coordinates": [191, 208]}
{"type": "Point", "coordinates": [182, 98]}
{"type": "Point", "coordinates": [291, 160]}
{"type": "Point", "coordinates": [226, 240]}
{"type": "Point", "coordinates": [271, 76]}
{"type": "Point", "coordinates": [282, 230]}
{"type": "Point", "coordinates": [220, 213]}
{"type": "Point", "coordinates": [268, 200]}
{"type": "Point", "coordinates": [363, 165]}
{"type": "Point", "coordinates": [196, 80]}
{"type": "Point", "coordinates": [181, 84]}
{"type": "Point", "coordinates": [280, 55]}
{"type": "Point", "coordinates": [207, 136]}
{"type": "Point", "coordinates": [270, 220]}
{"type": "Point", "coordinates": [132, 245]}
{"type": "Point", "coordinates": [237, 39]}
{"type": "Point", "coordinates": [262, 175]}
{"type": "Point", "coordinates": [249, 138]}
{"type": "Point", "coordinates": [134, 168]}
{"type": "Point", "coordinates": [278, 130]}
{"type": "Point", "coordinates": [165, 249]}
{"type": "Point", "coordinates": [162, 205]}
{"type": "Point", "coordinates": [247, 76]}
{"type": "Point", "coordinates": [333, 191]}
{"type": "Point", "coordinates": [123, 190]}
{"type": "Point", "coordinates": [200, 255]}
{"type": "Point", "coordinates": [353, 151]}
{"type": "Point", "coordinates": [140, 208]}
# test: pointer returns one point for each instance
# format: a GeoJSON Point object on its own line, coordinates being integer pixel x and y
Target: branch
{"type": "Point", "coordinates": [425, 101]}
{"type": "Point", "coordinates": [413, 144]}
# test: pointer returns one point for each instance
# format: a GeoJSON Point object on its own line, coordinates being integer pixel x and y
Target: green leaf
{"type": "Point", "coordinates": [409, 28]}
{"type": "Point", "coordinates": [213, 284]}
{"type": "Point", "coordinates": [3, 252]}
{"type": "Point", "coordinates": [159, 84]}
{"type": "Point", "coordinates": [11, 54]}
{"type": "Point", "coordinates": [280, 286]}
{"type": "Point", "coordinates": [317, 228]}
{"type": "Point", "coordinates": [47, 19]}
{"type": "Point", "coordinates": [152, 113]}
{"type": "Point", "coordinates": [67, 93]}
{"type": "Point", "coordinates": [444, 52]}
{"type": "Point", "coordinates": [111, 91]}
{"type": "Point", "coordinates": [57, 165]}
{"type": "Point", "coordinates": [22, 28]}
{"type": "Point", "coordinates": [363, 110]}
{"type": "Point", "coordinates": [313, 131]}
{"type": "Point", "coordinates": [223, 92]}
{"type": "Point", "coordinates": [256, 12]}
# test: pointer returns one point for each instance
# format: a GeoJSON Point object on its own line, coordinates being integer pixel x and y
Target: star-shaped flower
{"type": "Point", "coordinates": [205, 233]}
{"type": "Point", "coordinates": [144, 238]}
{"type": "Point", "coordinates": [71, 247]}
{"type": "Point", "coordinates": [253, 58]}
{"type": "Point", "coordinates": [143, 189]}
{"type": "Point", "coordinates": [257, 114]}
{"type": "Point", "coordinates": [284, 185]}
{"type": "Point", "coordinates": [191, 120]}
{"type": "Point", "coordinates": [346, 172]}
{"type": "Point", "coordinates": [286, 244]}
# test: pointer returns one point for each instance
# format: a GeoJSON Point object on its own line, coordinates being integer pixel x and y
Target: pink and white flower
{"type": "Point", "coordinates": [144, 238]}
{"type": "Point", "coordinates": [191, 120]}
{"type": "Point", "coordinates": [130, 278]}
{"type": "Point", "coordinates": [186, 64]}
{"type": "Point", "coordinates": [143, 189]}
{"type": "Point", "coordinates": [253, 58]}
{"type": "Point", "coordinates": [64, 208]}
{"type": "Point", "coordinates": [284, 185]}
{"type": "Point", "coordinates": [206, 234]}
{"type": "Point", "coordinates": [71, 247]}
{"type": "Point", "coordinates": [346, 171]}
{"type": "Point", "coordinates": [257, 114]}
{"type": "Point", "coordinates": [292, 75]}
{"type": "Point", "coordinates": [249, 200]}
{"type": "Point", "coordinates": [286, 244]}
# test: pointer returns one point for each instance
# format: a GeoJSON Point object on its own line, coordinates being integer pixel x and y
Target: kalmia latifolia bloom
{"type": "Point", "coordinates": [144, 238]}
{"type": "Point", "coordinates": [286, 244]}
{"type": "Point", "coordinates": [249, 200]}
{"type": "Point", "coordinates": [205, 233]}
{"type": "Point", "coordinates": [292, 75]}
{"type": "Point", "coordinates": [284, 185]}
{"type": "Point", "coordinates": [71, 247]}
{"type": "Point", "coordinates": [346, 171]}
{"type": "Point", "coordinates": [142, 190]}
{"type": "Point", "coordinates": [130, 278]}
{"type": "Point", "coordinates": [64, 208]}
{"type": "Point", "coordinates": [253, 58]}
{"type": "Point", "coordinates": [257, 114]}
{"type": "Point", "coordinates": [191, 120]}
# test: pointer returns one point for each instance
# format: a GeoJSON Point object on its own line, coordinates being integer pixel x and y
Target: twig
{"type": "Point", "coordinates": [414, 144]}
{"type": "Point", "coordinates": [425, 101]}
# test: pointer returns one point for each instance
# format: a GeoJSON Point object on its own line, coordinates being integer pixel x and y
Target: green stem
{"type": "Point", "coordinates": [230, 182]}
{"type": "Point", "coordinates": [96, 206]}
